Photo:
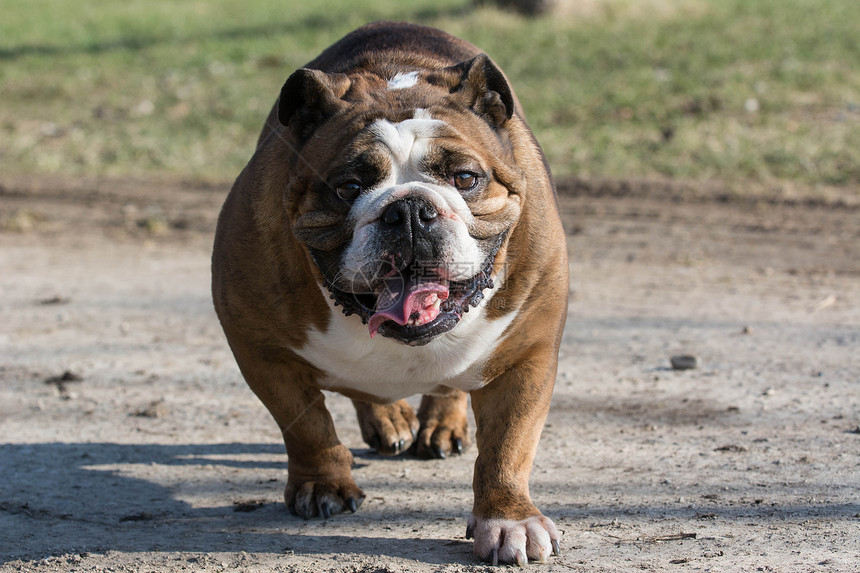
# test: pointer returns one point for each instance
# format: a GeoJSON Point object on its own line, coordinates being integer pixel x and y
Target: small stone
{"type": "Point", "coordinates": [144, 107]}
{"type": "Point", "coordinates": [684, 362]}
{"type": "Point", "coordinates": [751, 105]}
{"type": "Point", "coordinates": [734, 448]}
{"type": "Point", "coordinates": [155, 409]}
{"type": "Point", "coordinates": [67, 376]}
{"type": "Point", "coordinates": [56, 299]}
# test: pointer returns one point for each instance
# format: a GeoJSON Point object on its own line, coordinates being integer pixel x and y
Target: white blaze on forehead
{"type": "Point", "coordinates": [421, 113]}
{"type": "Point", "coordinates": [407, 140]}
{"type": "Point", "coordinates": [403, 81]}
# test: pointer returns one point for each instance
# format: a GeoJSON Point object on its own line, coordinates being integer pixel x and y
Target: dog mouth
{"type": "Point", "coordinates": [415, 306]}
{"type": "Point", "coordinates": [408, 302]}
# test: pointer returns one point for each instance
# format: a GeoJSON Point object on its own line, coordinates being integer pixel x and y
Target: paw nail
{"type": "Point", "coordinates": [494, 557]}
{"type": "Point", "coordinates": [437, 452]}
{"type": "Point", "coordinates": [350, 503]}
{"type": "Point", "coordinates": [522, 561]}
{"type": "Point", "coordinates": [458, 446]}
{"type": "Point", "coordinates": [325, 511]}
{"type": "Point", "coordinates": [556, 550]}
{"type": "Point", "coordinates": [469, 532]}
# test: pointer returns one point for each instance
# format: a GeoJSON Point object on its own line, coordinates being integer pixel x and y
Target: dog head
{"type": "Point", "coordinates": [404, 187]}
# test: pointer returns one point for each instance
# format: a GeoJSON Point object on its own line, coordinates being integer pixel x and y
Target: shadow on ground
{"type": "Point", "coordinates": [90, 493]}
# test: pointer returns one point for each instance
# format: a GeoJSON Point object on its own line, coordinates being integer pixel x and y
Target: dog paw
{"type": "Point", "coordinates": [389, 429]}
{"type": "Point", "coordinates": [439, 439]}
{"type": "Point", "coordinates": [444, 427]}
{"type": "Point", "coordinates": [507, 541]}
{"type": "Point", "coordinates": [324, 499]}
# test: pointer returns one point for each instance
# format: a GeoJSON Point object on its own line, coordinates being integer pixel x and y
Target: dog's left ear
{"type": "Point", "coordinates": [486, 90]}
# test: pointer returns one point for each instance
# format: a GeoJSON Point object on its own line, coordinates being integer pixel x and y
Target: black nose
{"type": "Point", "coordinates": [410, 231]}
{"type": "Point", "coordinates": [411, 214]}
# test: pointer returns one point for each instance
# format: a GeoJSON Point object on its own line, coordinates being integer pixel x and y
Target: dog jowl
{"type": "Point", "coordinates": [396, 233]}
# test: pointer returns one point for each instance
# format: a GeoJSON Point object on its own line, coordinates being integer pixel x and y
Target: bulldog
{"type": "Point", "coordinates": [397, 233]}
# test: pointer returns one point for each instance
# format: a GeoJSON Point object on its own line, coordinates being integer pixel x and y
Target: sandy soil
{"type": "Point", "coordinates": [131, 443]}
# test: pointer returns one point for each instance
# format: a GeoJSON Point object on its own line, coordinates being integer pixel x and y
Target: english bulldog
{"type": "Point", "coordinates": [397, 233]}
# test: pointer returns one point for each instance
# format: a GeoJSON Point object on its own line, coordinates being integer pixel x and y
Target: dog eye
{"type": "Point", "coordinates": [464, 180]}
{"type": "Point", "coordinates": [349, 190]}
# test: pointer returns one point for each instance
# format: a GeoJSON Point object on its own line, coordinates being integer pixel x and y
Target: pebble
{"type": "Point", "coordinates": [684, 362]}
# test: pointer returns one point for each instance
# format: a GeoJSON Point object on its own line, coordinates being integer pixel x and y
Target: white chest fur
{"type": "Point", "coordinates": [391, 370]}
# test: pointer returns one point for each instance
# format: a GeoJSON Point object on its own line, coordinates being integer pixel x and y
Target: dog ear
{"type": "Point", "coordinates": [486, 90]}
{"type": "Point", "coordinates": [309, 97]}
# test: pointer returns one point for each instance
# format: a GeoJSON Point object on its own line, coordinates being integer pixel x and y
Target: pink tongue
{"type": "Point", "coordinates": [401, 302]}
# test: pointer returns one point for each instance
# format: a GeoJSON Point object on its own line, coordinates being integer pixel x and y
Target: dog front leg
{"type": "Point", "coordinates": [509, 414]}
{"type": "Point", "coordinates": [319, 479]}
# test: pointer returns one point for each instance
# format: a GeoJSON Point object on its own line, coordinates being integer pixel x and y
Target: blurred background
{"type": "Point", "coordinates": [754, 94]}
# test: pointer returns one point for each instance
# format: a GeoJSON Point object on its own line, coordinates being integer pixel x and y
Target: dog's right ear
{"type": "Point", "coordinates": [308, 98]}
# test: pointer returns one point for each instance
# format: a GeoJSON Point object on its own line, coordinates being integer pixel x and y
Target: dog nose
{"type": "Point", "coordinates": [410, 213]}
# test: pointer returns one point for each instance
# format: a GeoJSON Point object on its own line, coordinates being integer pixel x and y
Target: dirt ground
{"type": "Point", "coordinates": [131, 443]}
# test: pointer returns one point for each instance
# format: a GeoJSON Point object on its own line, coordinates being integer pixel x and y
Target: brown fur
{"type": "Point", "coordinates": [266, 287]}
{"type": "Point", "coordinates": [444, 425]}
{"type": "Point", "coordinates": [389, 428]}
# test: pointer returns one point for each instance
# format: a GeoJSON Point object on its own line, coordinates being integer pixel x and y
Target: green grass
{"type": "Point", "coordinates": [763, 91]}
